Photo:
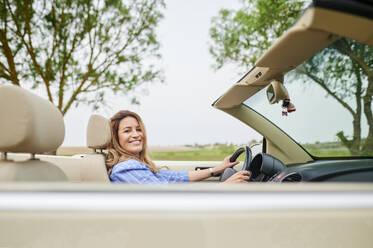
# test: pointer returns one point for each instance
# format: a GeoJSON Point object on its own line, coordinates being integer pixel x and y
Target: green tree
{"type": "Point", "coordinates": [78, 50]}
{"type": "Point", "coordinates": [344, 70]}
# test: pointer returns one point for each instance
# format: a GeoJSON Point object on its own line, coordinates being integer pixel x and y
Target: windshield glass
{"type": "Point", "coordinates": [332, 94]}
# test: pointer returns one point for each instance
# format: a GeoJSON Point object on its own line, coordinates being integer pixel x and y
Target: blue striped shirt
{"type": "Point", "coordinates": [133, 171]}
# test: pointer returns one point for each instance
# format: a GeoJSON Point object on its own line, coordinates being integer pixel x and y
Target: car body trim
{"type": "Point", "coordinates": [182, 201]}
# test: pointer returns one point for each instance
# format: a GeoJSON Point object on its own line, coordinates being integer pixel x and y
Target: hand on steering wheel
{"type": "Point", "coordinates": [239, 177]}
{"type": "Point", "coordinates": [228, 172]}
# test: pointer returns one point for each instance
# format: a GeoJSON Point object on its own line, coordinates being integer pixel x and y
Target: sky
{"type": "Point", "coordinates": [179, 111]}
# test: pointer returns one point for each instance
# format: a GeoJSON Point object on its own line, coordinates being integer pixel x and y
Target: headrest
{"type": "Point", "coordinates": [98, 132]}
{"type": "Point", "coordinates": [28, 123]}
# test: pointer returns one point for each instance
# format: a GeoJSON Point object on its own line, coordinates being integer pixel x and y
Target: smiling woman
{"type": "Point", "coordinates": [128, 161]}
{"type": "Point", "coordinates": [127, 127]}
{"type": "Point", "coordinates": [130, 135]}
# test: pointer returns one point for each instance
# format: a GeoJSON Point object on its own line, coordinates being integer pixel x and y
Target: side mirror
{"type": "Point", "coordinates": [276, 92]}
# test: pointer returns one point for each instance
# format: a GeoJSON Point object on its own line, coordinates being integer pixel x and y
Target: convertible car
{"type": "Point", "coordinates": [321, 70]}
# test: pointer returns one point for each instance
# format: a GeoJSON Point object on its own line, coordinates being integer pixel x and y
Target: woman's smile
{"type": "Point", "coordinates": [130, 135]}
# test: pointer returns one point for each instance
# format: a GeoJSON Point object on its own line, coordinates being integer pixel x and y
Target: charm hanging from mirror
{"type": "Point", "coordinates": [287, 107]}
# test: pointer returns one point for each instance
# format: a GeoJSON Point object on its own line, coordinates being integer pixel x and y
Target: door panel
{"type": "Point", "coordinates": [303, 228]}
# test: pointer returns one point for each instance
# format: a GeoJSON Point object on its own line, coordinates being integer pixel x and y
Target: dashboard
{"type": "Point", "coordinates": [266, 168]}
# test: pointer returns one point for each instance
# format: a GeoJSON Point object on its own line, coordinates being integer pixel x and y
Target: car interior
{"type": "Point", "coordinates": [318, 27]}
{"type": "Point", "coordinates": [34, 126]}
{"type": "Point", "coordinates": [26, 137]}
{"type": "Point", "coordinates": [68, 201]}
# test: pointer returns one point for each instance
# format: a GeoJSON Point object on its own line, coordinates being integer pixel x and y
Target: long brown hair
{"type": "Point", "coordinates": [116, 153]}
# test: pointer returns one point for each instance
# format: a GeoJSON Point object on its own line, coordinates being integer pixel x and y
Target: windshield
{"type": "Point", "coordinates": [332, 94]}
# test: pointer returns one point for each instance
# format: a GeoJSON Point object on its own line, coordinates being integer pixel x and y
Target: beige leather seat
{"type": "Point", "coordinates": [98, 132]}
{"type": "Point", "coordinates": [87, 168]}
{"type": "Point", "coordinates": [29, 124]}
{"type": "Point", "coordinates": [93, 166]}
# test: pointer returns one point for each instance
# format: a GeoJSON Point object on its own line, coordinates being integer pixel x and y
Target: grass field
{"type": "Point", "coordinates": [327, 149]}
{"type": "Point", "coordinates": [197, 155]}
{"type": "Point", "coordinates": [219, 155]}
{"type": "Point", "coordinates": [217, 152]}
{"type": "Point", "coordinates": [329, 153]}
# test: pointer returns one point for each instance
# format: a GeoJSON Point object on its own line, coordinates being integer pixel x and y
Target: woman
{"type": "Point", "coordinates": [128, 161]}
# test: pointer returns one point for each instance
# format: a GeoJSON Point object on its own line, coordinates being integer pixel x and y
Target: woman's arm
{"type": "Point", "coordinates": [134, 172]}
{"type": "Point", "coordinates": [199, 175]}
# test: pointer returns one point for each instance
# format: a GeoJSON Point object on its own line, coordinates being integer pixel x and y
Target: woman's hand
{"type": "Point", "coordinates": [224, 165]}
{"type": "Point", "coordinates": [239, 177]}
{"type": "Point", "coordinates": [203, 174]}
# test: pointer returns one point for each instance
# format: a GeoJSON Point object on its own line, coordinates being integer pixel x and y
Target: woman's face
{"type": "Point", "coordinates": [130, 135]}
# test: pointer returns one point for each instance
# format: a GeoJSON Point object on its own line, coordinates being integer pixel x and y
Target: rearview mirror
{"type": "Point", "coordinates": [276, 92]}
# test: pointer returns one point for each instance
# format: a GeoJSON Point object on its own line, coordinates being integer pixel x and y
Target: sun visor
{"type": "Point", "coordinates": [297, 45]}
{"type": "Point", "coordinates": [315, 29]}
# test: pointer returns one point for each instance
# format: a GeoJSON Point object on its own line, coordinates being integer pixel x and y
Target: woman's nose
{"type": "Point", "coordinates": [135, 133]}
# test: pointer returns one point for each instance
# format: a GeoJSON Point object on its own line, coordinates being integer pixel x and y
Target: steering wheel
{"type": "Point", "coordinates": [246, 166]}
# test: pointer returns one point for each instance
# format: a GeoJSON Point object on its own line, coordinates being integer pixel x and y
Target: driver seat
{"type": "Point", "coordinates": [93, 168]}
